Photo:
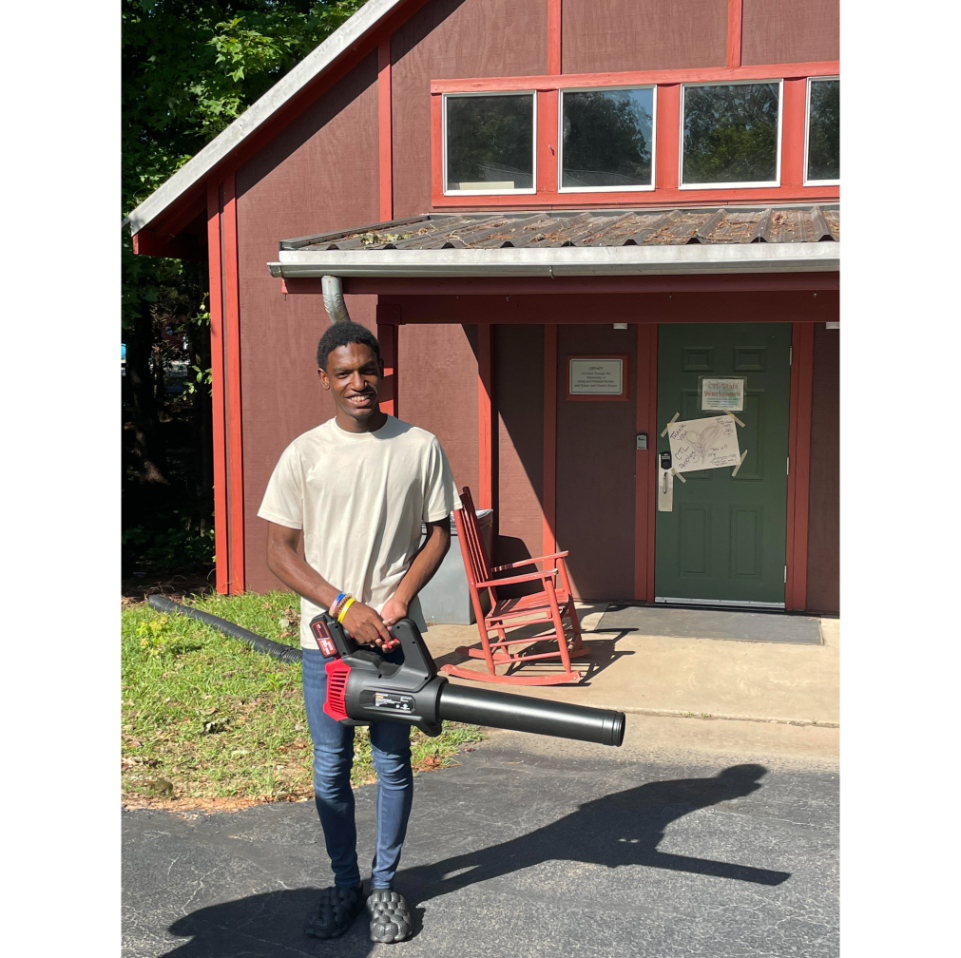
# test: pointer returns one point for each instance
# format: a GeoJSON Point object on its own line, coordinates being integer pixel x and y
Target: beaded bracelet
{"type": "Point", "coordinates": [334, 605]}
{"type": "Point", "coordinates": [350, 601]}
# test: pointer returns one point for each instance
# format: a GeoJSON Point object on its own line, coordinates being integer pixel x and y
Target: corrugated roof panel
{"type": "Point", "coordinates": [587, 228]}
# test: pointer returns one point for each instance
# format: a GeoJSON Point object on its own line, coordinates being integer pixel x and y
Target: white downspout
{"type": "Point", "coordinates": [333, 287]}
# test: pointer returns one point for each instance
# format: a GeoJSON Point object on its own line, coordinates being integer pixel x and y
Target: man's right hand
{"type": "Point", "coordinates": [366, 626]}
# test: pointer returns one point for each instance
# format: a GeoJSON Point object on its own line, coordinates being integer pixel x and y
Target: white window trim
{"type": "Point", "coordinates": [807, 134]}
{"type": "Point", "coordinates": [766, 184]}
{"type": "Point", "coordinates": [496, 192]}
{"type": "Point", "coordinates": [560, 141]}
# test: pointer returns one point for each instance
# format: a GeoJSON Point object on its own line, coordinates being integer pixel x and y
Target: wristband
{"type": "Point", "coordinates": [343, 611]}
{"type": "Point", "coordinates": [333, 605]}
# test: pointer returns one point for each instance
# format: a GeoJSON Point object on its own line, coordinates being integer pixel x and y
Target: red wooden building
{"type": "Point", "coordinates": [565, 220]}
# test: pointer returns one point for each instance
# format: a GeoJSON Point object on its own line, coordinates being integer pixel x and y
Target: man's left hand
{"type": "Point", "coordinates": [393, 611]}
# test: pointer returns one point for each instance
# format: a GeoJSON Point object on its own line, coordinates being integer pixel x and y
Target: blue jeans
{"type": "Point", "coordinates": [333, 758]}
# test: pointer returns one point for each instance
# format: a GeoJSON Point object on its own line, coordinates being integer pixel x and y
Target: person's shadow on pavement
{"type": "Point", "coordinates": [620, 829]}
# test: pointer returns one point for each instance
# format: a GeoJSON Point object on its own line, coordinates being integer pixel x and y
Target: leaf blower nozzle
{"type": "Point", "coordinates": [362, 688]}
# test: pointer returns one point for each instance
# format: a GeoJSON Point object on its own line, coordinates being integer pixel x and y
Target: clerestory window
{"type": "Point", "coordinates": [822, 141]}
{"type": "Point", "coordinates": [730, 134]}
{"type": "Point", "coordinates": [489, 143]}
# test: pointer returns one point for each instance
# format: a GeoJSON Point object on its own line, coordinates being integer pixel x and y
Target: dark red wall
{"type": "Point", "coordinates": [438, 391]}
{"type": "Point", "coordinates": [518, 361]}
{"type": "Point", "coordinates": [319, 174]}
{"type": "Point", "coordinates": [450, 39]}
{"type": "Point", "coordinates": [790, 31]}
{"type": "Point", "coordinates": [620, 35]}
{"type": "Point", "coordinates": [596, 455]}
{"type": "Point", "coordinates": [824, 520]}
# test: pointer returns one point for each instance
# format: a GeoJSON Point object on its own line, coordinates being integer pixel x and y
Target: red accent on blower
{"type": "Point", "coordinates": [337, 672]}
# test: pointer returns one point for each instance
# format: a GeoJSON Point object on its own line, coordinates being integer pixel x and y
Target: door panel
{"type": "Point", "coordinates": [725, 539]}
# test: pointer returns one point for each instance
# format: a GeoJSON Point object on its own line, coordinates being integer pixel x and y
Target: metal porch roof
{"type": "Point", "coordinates": [573, 243]}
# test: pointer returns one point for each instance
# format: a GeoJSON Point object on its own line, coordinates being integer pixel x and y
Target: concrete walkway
{"type": "Point", "coordinates": [707, 678]}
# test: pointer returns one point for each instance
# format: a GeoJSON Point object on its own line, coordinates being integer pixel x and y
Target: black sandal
{"type": "Point", "coordinates": [336, 911]}
{"type": "Point", "coordinates": [389, 915]}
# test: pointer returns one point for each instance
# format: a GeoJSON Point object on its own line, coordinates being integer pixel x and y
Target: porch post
{"type": "Point", "coordinates": [388, 320]}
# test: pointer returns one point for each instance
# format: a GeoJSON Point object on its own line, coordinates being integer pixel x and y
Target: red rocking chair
{"type": "Point", "coordinates": [551, 605]}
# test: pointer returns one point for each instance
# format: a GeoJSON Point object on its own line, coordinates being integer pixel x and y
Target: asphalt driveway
{"type": "Point", "coordinates": [530, 847]}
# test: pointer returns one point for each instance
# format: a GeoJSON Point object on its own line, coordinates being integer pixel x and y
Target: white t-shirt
{"type": "Point", "coordinates": [360, 499]}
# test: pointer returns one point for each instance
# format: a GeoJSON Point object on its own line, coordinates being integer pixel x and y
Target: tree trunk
{"type": "Point", "coordinates": [149, 453]}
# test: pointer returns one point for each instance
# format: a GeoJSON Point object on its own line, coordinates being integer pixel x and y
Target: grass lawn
{"type": "Point", "coordinates": [208, 721]}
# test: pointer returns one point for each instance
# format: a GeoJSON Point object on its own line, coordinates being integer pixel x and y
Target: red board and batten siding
{"type": "Point", "coordinates": [380, 105]}
{"type": "Point", "coordinates": [452, 39]}
{"type": "Point", "coordinates": [317, 174]}
{"type": "Point", "coordinates": [823, 564]}
{"type": "Point", "coordinates": [620, 35]}
{"type": "Point", "coordinates": [778, 31]}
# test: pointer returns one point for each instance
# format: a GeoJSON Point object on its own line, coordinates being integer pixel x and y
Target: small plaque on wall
{"type": "Point", "coordinates": [598, 378]}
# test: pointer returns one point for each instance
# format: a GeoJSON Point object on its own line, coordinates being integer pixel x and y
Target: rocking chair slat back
{"type": "Point", "coordinates": [467, 527]}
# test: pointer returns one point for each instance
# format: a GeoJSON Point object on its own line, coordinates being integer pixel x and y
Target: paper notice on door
{"type": "Point", "coordinates": [704, 443]}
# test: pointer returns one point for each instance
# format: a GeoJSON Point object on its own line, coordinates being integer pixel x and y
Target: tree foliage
{"type": "Point", "coordinates": [824, 146]}
{"type": "Point", "coordinates": [188, 68]}
{"type": "Point", "coordinates": [730, 133]}
{"type": "Point", "coordinates": [491, 138]}
{"type": "Point", "coordinates": [607, 137]}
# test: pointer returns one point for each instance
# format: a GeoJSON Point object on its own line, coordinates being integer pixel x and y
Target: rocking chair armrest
{"type": "Point", "coordinates": [546, 575]}
{"type": "Point", "coordinates": [514, 565]}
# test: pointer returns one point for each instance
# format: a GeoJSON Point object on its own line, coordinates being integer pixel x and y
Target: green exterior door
{"type": "Point", "coordinates": [725, 539]}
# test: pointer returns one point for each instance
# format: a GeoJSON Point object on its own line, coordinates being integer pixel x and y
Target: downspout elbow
{"type": "Point", "coordinates": [333, 287]}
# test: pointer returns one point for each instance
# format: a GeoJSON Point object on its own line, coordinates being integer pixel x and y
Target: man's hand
{"type": "Point", "coordinates": [366, 626]}
{"type": "Point", "coordinates": [393, 611]}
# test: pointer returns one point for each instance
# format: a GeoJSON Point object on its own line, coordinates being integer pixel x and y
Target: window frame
{"type": "Point", "coordinates": [755, 185]}
{"type": "Point", "coordinates": [560, 140]}
{"type": "Point", "coordinates": [497, 192]}
{"type": "Point", "coordinates": [807, 133]}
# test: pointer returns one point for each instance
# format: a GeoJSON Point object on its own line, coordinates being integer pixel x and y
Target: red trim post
{"type": "Point", "coordinates": [645, 476]}
{"type": "Point", "coordinates": [385, 132]}
{"type": "Point", "coordinates": [437, 147]}
{"type": "Point", "coordinates": [555, 34]}
{"type": "Point", "coordinates": [234, 406]}
{"type": "Point", "coordinates": [221, 547]}
{"type": "Point", "coordinates": [793, 111]}
{"type": "Point", "coordinates": [388, 321]}
{"type": "Point", "coordinates": [549, 494]}
{"type": "Point", "coordinates": [547, 146]}
{"type": "Point", "coordinates": [668, 145]}
{"type": "Point", "coordinates": [735, 9]}
{"type": "Point", "coordinates": [799, 473]}
{"type": "Point", "coordinates": [485, 419]}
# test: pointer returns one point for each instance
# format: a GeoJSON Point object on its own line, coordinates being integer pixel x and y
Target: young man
{"type": "Point", "coordinates": [358, 486]}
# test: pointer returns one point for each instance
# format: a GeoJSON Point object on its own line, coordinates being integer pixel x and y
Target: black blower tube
{"type": "Point", "coordinates": [521, 713]}
{"type": "Point", "coordinates": [279, 651]}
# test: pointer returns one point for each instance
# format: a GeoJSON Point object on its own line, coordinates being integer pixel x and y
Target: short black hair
{"type": "Point", "coordinates": [343, 334]}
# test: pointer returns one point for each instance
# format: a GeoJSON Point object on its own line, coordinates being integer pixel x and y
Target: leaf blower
{"type": "Point", "coordinates": [362, 688]}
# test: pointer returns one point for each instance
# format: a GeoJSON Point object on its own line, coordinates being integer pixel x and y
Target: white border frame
{"type": "Point", "coordinates": [496, 192]}
{"type": "Point", "coordinates": [807, 133]}
{"type": "Point", "coordinates": [560, 140]}
{"type": "Point", "coordinates": [765, 184]}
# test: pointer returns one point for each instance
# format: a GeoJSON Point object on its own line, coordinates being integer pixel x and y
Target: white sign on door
{"type": "Point", "coordinates": [709, 443]}
{"type": "Point", "coordinates": [722, 393]}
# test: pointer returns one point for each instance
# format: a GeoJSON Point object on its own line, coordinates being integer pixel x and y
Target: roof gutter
{"type": "Point", "coordinates": [562, 261]}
